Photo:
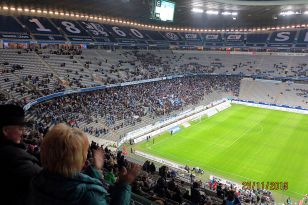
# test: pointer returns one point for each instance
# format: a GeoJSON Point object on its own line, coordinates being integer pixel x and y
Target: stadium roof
{"type": "Point", "coordinates": [250, 13]}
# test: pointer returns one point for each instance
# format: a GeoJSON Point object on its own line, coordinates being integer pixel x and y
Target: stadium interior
{"type": "Point", "coordinates": [129, 78]}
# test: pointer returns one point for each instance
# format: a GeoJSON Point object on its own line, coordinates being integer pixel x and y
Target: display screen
{"type": "Point", "coordinates": [163, 10]}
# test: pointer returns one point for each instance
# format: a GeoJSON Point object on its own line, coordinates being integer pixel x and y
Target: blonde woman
{"type": "Point", "coordinates": [63, 154]}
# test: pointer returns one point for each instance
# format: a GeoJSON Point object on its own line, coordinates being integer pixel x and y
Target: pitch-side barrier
{"type": "Point", "coordinates": [162, 126]}
{"type": "Point", "coordinates": [162, 161]}
{"type": "Point", "coordinates": [285, 108]}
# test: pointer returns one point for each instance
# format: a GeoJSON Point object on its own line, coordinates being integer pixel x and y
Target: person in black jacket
{"type": "Point", "coordinates": [152, 168]}
{"type": "Point", "coordinates": [17, 165]}
{"type": "Point", "coordinates": [196, 197]}
{"type": "Point", "coordinates": [161, 187]}
{"type": "Point", "coordinates": [177, 196]}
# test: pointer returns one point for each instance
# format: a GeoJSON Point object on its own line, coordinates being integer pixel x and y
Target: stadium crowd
{"type": "Point", "coordinates": [62, 167]}
{"type": "Point", "coordinates": [127, 105]}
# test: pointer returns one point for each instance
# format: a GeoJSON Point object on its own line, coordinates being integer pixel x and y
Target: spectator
{"type": "Point", "coordinates": [219, 190]}
{"type": "Point", "coordinates": [172, 185]}
{"type": "Point", "coordinates": [61, 181]}
{"type": "Point", "coordinates": [162, 186]}
{"type": "Point", "coordinates": [230, 200]}
{"type": "Point", "coordinates": [177, 196]}
{"type": "Point", "coordinates": [152, 168]}
{"type": "Point", "coordinates": [146, 166]}
{"type": "Point", "coordinates": [196, 198]}
{"type": "Point", "coordinates": [186, 195]}
{"type": "Point", "coordinates": [109, 176]}
{"type": "Point", "coordinates": [18, 166]}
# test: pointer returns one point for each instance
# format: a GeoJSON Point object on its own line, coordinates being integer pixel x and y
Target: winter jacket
{"type": "Point", "coordinates": [17, 169]}
{"type": "Point", "coordinates": [81, 189]}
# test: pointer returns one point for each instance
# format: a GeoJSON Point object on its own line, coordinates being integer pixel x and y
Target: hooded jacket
{"type": "Point", "coordinates": [81, 189]}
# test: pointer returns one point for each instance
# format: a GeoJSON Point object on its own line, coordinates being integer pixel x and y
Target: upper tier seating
{"type": "Point", "coordinates": [25, 76]}
{"type": "Point", "coordinates": [116, 111]}
{"type": "Point", "coordinates": [47, 71]}
{"type": "Point", "coordinates": [287, 93]}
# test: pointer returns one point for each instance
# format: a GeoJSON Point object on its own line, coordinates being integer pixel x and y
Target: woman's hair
{"type": "Point", "coordinates": [64, 150]}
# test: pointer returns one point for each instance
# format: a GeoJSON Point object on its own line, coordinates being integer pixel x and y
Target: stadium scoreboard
{"type": "Point", "coordinates": [163, 10]}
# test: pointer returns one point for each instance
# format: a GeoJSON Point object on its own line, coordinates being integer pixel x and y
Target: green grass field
{"type": "Point", "coordinates": [243, 144]}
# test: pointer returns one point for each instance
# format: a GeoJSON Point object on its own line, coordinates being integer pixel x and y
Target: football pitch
{"type": "Point", "coordinates": [241, 144]}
